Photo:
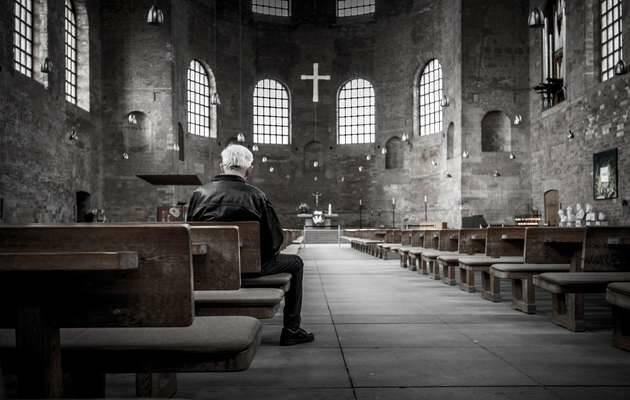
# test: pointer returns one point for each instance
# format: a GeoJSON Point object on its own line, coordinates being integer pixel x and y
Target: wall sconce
{"type": "Point", "coordinates": [571, 135]}
{"type": "Point", "coordinates": [405, 137]}
{"type": "Point", "coordinates": [445, 102]}
{"type": "Point", "coordinates": [434, 163]}
{"type": "Point", "coordinates": [360, 169]}
{"type": "Point", "coordinates": [536, 19]}
{"type": "Point", "coordinates": [264, 160]}
{"type": "Point", "coordinates": [271, 169]}
{"type": "Point", "coordinates": [383, 151]}
{"type": "Point", "coordinates": [315, 164]}
{"type": "Point", "coordinates": [518, 118]}
{"type": "Point", "coordinates": [368, 157]}
{"type": "Point", "coordinates": [132, 119]}
{"type": "Point", "coordinates": [47, 66]}
{"type": "Point", "coordinates": [315, 179]}
{"type": "Point", "coordinates": [448, 175]}
{"type": "Point", "coordinates": [621, 68]}
{"type": "Point", "coordinates": [343, 179]}
{"type": "Point", "coordinates": [496, 173]}
{"type": "Point", "coordinates": [215, 100]}
{"type": "Point", "coordinates": [240, 137]}
{"type": "Point", "coordinates": [465, 154]}
{"type": "Point", "coordinates": [155, 16]}
{"type": "Point", "coordinates": [125, 155]}
{"type": "Point", "coordinates": [255, 148]}
{"type": "Point", "coordinates": [74, 136]}
{"type": "Point", "coordinates": [512, 156]}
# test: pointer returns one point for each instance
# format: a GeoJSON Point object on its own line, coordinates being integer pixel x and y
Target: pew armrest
{"type": "Point", "coordinates": [68, 261]}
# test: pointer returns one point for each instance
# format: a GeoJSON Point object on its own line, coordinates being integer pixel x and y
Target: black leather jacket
{"type": "Point", "coordinates": [229, 198]}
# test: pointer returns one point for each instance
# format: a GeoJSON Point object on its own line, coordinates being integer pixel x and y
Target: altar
{"type": "Point", "coordinates": [318, 219]}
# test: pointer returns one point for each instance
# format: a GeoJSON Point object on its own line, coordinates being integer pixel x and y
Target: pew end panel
{"type": "Point", "coordinates": [472, 241]}
{"type": "Point", "coordinates": [219, 268]}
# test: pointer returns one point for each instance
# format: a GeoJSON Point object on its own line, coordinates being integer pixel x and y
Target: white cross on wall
{"type": "Point", "coordinates": [316, 77]}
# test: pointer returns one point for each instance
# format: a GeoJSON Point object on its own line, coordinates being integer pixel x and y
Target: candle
{"type": "Point", "coordinates": [360, 202]}
{"type": "Point", "coordinates": [329, 208]}
{"type": "Point", "coordinates": [425, 198]}
{"type": "Point", "coordinates": [393, 201]}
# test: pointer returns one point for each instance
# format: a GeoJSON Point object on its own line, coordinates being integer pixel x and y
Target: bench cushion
{"type": "Point", "coordinates": [579, 282]}
{"type": "Point", "coordinates": [618, 294]}
{"type": "Point", "coordinates": [241, 297]}
{"type": "Point", "coordinates": [417, 250]}
{"type": "Point", "coordinates": [437, 253]}
{"type": "Point", "coordinates": [211, 344]}
{"type": "Point", "coordinates": [520, 271]}
{"type": "Point", "coordinates": [484, 261]}
{"type": "Point", "coordinates": [278, 281]}
{"type": "Point", "coordinates": [293, 249]}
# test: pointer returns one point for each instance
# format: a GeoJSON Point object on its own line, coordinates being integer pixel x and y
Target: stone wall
{"type": "Point", "coordinates": [41, 168]}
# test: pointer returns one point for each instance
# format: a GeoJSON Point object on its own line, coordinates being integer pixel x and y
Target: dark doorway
{"type": "Point", "coordinates": [83, 207]}
{"type": "Point", "coordinates": [552, 206]}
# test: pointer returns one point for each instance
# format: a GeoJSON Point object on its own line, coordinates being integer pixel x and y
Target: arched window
{"type": "Point", "coordinates": [430, 94]}
{"type": "Point", "coordinates": [201, 114]}
{"type": "Point", "coordinates": [277, 8]}
{"type": "Point", "coordinates": [394, 156]}
{"type": "Point", "coordinates": [356, 113]}
{"type": "Point", "coordinates": [272, 113]}
{"type": "Point", "coordinates": [496, 132]}
{"type": "Point", "coordinates": [351, 8]}
{"type": "Point", "coordinates": [71, 52]}
{"type": "Point", "coordinates": [611, 14]}
{"type": "Point", "coordinates": [23, 36]}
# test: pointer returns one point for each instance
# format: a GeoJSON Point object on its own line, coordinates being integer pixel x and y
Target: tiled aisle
{"type": "Point", "coordinates": [383, 332]}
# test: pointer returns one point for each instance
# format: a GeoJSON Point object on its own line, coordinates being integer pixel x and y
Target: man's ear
{"type": "Point", "coordinates": [249, 171]}
{"type": "Point", "coordinates": [221, 168]}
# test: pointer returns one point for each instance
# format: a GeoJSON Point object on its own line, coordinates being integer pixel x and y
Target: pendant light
{"type": "Point", "coordinates": [536, 19]}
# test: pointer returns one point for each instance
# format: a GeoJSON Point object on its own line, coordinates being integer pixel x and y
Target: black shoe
{"type": "Point", "coordinates": [289, 337]}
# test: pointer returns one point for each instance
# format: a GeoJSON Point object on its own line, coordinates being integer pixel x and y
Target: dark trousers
{"type": "Point", "coordinates": [293, 298]}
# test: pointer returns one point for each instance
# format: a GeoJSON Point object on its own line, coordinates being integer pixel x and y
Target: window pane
{"type": "Point", "coordinates": [272, 116]}
{"type": "Point", "coordinates": [350, 8]}
{"type": "Point", "coordinates": [278, 8]}
{"type": "Point", "coordinates": [356, 120]}
{"type": "Point", "coordinates": [611, 36]}
{"type": "Point", "coordinates": [198, 94]}
{"type": "Point", "coordinates": [430, 95]}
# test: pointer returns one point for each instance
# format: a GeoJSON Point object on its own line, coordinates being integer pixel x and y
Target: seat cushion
{"type": "Point", "coordinates": [242, 297]}
{"type": "Point", "coordinates": [483, 261]}
{"type": "Point", "coordinates": [277, 281]}
{"type": "Point", "coordinates": [210, 344]}
{"type": "Point", "coordinates": [436, 253]}
{"type": "Point", "coordinates": [579, 282]}
{"type": "Point", "coordinates": [618, 294]}
{"type": "Point", "coordinates": [416, 250]}
{"type": "Point", "coordinates": [535, 268]}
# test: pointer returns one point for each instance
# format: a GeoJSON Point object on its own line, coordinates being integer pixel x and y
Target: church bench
{"type": "Point", "coordinates": [501, 242]}
{"type": "Point", "coordinates": [470, 265]}
{"type": "Point", "coordinates": [618, 295]}
{"type": "Point", "coordinates": [417, 241]}
{"type": "Point", "coordinates": [430, 241]}
{"type": "Point", "coordinates": [292, 249]}
{"type": "Point", "coordinates": [406, 238]}
{"type": "Point", "coordinates": [392, 241]}
{"type": "Point", "coordinates": [277, 281]}
{"type": "Point", "coordinates": [156, 297]}
{"type": "Point", "coordinates": [603, 258]}
{"type": "Point", "coordinates": [447, 242]}
{"type": "Point", "coordinates": [546, 250]}
{"type": "Point", "coordinates": [522, 276]}
{"type": "Point", "coordinates": [217, 275]}
{"type": "Point", "coordinates": [470, 242]}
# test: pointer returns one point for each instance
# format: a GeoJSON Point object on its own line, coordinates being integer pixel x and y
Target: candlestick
{"type": "Point", "coordinates": [360, 202]}
{"type": "Point", "coordinates": [329, 209]}
{"type": "Point", "coordinates": [393, 200]}
{"type": "Point", "coordinates": [425, 198]}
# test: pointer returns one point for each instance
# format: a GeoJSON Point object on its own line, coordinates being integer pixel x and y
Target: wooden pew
{"type": "Point", "coordinates": [501, 242]}
{"type": "Point", "coordinates": [447, 245]}
{"type": "Point", "coordinates": [471, 242]}
{"type": "Point", "coordinates": [498, 250]}
{"type": "Point", "coordinates": [605, 258]}
{"type": "Point", "coordinates": [431, 240]}
{"type": "Point", "coordinates": [618, 295]}
{"type": "Point", "coordinates": [125, 317]}
{"type": "Point", "coordinates": [364, 240]}
{"type": "Point", "coordinates": [217, 274]}
{"type": "Point", "coordinates": [546, 250]}
{"type": "Point", "coordinates": [392, 241]}
{"type": "Point", "coordinates": [406, 236]}
{"type": "Point", "coordinates": [416, 243]}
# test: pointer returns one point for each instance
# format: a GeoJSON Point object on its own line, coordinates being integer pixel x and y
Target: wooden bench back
{"type": "Point", "coordinates": [417, 238]}
{"type": "Point", "coordinates": [249, 233]}
{"type": "Point", "coordinates": [505, 242]}
{"type": "Point", "coordinates": [158, 293]}
{"type": "Point", "coordinates": [393, 236]}
{"type": "Point", "coordinates": [220, 267]}
{"type": "Point", "coordinates": [449, 239]}
{"type": "Point", "coordinates": [606, 249]}
{"type": "Point", "coordinates": [406, 237]}
{"type": "Point", "coordinates": [550, 245]}
{"type": "Point", "coordinates": [431, 239]}
{"type": "Point", "coordinates": [472, 241]}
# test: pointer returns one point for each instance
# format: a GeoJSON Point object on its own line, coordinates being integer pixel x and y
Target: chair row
{"type": "Point", "coordinates": [567, 262]}
{"type": "Point", "coordinates": [79, 301]}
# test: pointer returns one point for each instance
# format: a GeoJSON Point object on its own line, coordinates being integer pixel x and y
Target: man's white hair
{"type": "Point", "coordinates": [237, 157]}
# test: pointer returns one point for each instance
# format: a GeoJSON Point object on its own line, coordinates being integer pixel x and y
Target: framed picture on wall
{"type": "Point", "coordinates": [605, 175]}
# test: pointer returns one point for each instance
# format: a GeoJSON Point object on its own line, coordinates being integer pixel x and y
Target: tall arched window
{"type": "Point", "coordinates": [611, 15]}
{"type": "Point", "coordinates": [71, 52]}
{"type": "Point", "coordinates": [356, 113]}
{"type": "Point", "coordinates": [351, 8]}
{"type": "Point", "coordinates": [23, 36]}
{"type": "Point", "coordinates": [277, 8]}
{"type": "Point", "coordinates": [272, 113]}
{"type": "Point", "coordinates": [201, 114]}
{"type": "Point", "coordinates": [430, 94]}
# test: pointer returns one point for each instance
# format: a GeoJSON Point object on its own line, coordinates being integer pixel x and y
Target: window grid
{"type": "Point", "coordinates": [71, 52]}
{"type": "Point", "coordinates": [198, 90]}
{"type": "Point", "coordinates": [351, 8]}
{"type": "Point", "coordinates": [430, 96]}
{"type": "Point", "coordinates": [356, 110]}
{"type": "Point", "coordinates": [277, 8]}
{"type": "Point", "coordinates": [271, 113]}
{"type": "Point", "coordinates": [23, 37]}
{"type": "Point", "coordinates": [611, 36]}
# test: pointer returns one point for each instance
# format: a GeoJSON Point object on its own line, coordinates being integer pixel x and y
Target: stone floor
{"type": "Point", "coordinates": [383, 332]}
